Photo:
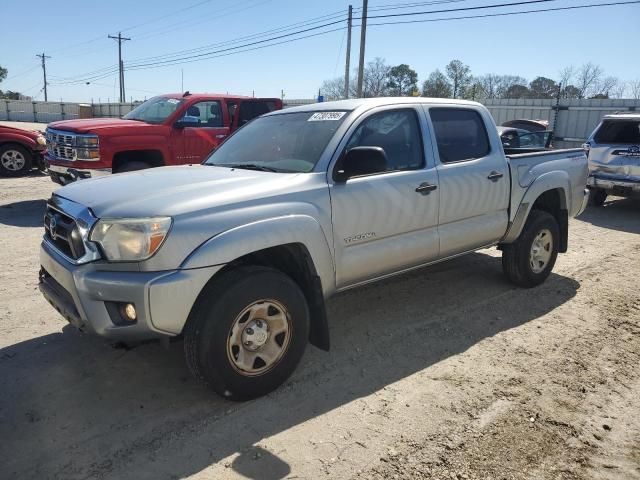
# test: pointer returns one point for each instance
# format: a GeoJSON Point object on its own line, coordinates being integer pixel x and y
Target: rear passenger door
{"type": "Point", "coordinates": [252, 108]}
{"type": "Point", "coordinates": [387, 221]}
{"type": "Point", "coordinates": [473, 178]}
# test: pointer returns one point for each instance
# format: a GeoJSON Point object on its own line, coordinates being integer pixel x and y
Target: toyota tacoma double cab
{"type": "Point", "coordinates": [614, 157]}
{"type": "Point", "coordinates": [238, 255]}
{"type": "Point", "coordinates": [172, 129]}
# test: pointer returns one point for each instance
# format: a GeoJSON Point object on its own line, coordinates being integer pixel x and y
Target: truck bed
{"type": "Point", "coordinates": [527, 167]}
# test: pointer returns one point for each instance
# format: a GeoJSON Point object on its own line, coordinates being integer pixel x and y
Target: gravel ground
{"type": "Point", "coordinates": [446, 373]}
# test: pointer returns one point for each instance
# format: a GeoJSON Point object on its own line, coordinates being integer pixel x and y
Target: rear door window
{"type": "Point", "coordinates": [460, 134]}
{"type": "Point", "coordinates": [251, 109]}
{"type": "Point", "coordinates": [619, 131]}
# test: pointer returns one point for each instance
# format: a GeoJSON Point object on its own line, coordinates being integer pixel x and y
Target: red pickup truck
{"type": "Point", "coordinates": [171, 129]}
{"type": "Point", "coordinates": [20, 151]}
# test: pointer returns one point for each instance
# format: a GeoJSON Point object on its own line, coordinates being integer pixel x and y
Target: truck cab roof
{"type": "Point", "coordinates": [367, 103]}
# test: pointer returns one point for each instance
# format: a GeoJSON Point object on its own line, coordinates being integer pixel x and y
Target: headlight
{"type": "Point", "coordinates": [87, 141]}
{"type": "Point", "coordinates": [87, 154]}
{"type": "Point", "coordinates": [41, 140]}
{"type": "Point", "coordinates": [130, 239]}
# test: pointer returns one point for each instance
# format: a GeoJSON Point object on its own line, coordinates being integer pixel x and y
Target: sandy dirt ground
{"type": "Point", "coordinates": [446, 373]}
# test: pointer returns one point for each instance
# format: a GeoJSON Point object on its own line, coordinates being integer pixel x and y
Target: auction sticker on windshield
{"type": "Point", "coordinates": [326, 116]}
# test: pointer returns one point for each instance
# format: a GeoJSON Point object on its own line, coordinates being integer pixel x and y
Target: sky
{"type": "Point", "coordinates": [74, 34]}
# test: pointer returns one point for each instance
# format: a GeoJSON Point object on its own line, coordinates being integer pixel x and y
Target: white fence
{"type": "Point", "coordinates": [45, 112]}
{"type": "Point", "coordinates": [572, 120]}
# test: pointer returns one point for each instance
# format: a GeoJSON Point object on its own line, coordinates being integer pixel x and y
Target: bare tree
{"type": "Point", "coordinates": [376, 77]}
{"type": "Point", "coordinates": [588, 77]}
{"type": "Point", "coordinates": [604, 87]}
{"type": "Point", "coordinates": [566, 75]}
{"type": "Point", "coordinates": [460, 75]}
{"type": "Point", "coordinates": [333, 89]}
{"type": "Point", "coordinates": [506, 83]}
{"type": "Point", "coordinates": [489, 84]}
{"type": "Point", "coordinates": [619, 90]}
{"type": "Point", "coordinates": [634, 87]}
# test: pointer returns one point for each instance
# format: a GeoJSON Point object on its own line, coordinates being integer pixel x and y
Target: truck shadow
{"type": "Point", "coordinates": [72, 406]}
{"type": "Point", "coordinates": [617, 214]}
{"type": "Point", "coordinates": [28, 213]}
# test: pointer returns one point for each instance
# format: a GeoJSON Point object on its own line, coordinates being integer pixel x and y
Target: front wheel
{"type": "Point", "coordinates": [14, 160]}
{"type": "Point", "coordinates": [529, 260]}
{"type": "Point", "coordinates": [247, 332]}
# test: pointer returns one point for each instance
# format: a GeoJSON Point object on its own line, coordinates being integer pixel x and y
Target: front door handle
{"type": "Point", "coordinates": [426, 188]}
{"type": "Point", "coordinates": [495, 176]}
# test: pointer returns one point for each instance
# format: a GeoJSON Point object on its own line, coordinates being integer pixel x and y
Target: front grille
{"type": "Point", "coordinates": [61, 230]}
{"type": "Point", "coordinates": [61, 145]}
{"type": "Point", "coordinates": [60, 138]}
{"type": "Point", "coordinates": [64, 153]}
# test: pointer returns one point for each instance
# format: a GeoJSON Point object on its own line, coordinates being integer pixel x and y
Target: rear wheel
{"type": "Point", "coordinates": [14, 160]}
{"type": "Point", "coordinates": [529, 260]}
{"type": "Point", "coordinates": [247, 332]}
{"type": "Point", "coordinates": [597, 197]}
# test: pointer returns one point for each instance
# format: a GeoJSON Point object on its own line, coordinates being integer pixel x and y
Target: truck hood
{"type": "Point", "coordinates": [172, 191]}
{"type": "Point", "coordinates": [97, 125]}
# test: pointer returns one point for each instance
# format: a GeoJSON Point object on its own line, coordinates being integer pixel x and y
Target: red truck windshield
{"type": "Point", "coordinates": [154, 110]}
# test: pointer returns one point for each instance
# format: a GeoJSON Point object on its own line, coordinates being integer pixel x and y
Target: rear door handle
{"type": "Point", "coordinates": [426, 188]}
{"type": "Point", "coordinates": [495, 176]}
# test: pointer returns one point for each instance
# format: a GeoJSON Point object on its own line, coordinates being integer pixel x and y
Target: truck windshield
{"type": "Point", "coordinates": [154, 110]}
{"type": "Point", "coordinates": [288, 142]}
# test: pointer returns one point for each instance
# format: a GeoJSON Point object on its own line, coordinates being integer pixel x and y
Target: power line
{"type": "Point", "coordinates": [206, 54]}
{"type": "Point", "coordinates": [461, 9]}
{"type": "Point", "coordinates": [523, 12]}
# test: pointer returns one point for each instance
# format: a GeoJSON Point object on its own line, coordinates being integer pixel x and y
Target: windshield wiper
{"type": "Point", "coordinates": [249, 166]}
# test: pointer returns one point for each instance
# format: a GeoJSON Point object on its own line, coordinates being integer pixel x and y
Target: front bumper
{"type": "Point", "coordinates": [65, 175]}
{"type": "Point", "coordinates": [86, 295]}
{"type": "Point", "coordinates": [614, 185]}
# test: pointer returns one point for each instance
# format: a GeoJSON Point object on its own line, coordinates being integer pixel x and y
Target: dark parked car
{"type": "Point", "coordinates": [20, 150]}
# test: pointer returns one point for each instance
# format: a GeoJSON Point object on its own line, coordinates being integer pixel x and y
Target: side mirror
{"type": "Point", "coordinates": [360, 161]}
{"type": "Point", "coordinates": [179, 124]}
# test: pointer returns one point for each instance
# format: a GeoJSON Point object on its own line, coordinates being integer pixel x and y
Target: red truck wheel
{"type": "Point", "coordinates": [15, 160]}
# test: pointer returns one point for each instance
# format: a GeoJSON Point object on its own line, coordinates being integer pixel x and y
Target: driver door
{"type": "Point", "coordinates": [202, 128]}
{"type": "Point", "coordinates": [388, 221]}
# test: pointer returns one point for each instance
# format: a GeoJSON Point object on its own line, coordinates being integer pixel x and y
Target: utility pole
{"type": "Point", "coordinates": [363, 41]}
{"type": "Point", "coordinates": [182, 80]}
{"type": "Point", "coordinates": [44, 57]}
{"type": "Point", "coordinates": [120, 39]}
{"type": "Point", "coordinates": [347, 65]}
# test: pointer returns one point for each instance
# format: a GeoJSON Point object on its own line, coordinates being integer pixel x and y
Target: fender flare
{"type": "Point", "coordinates": [21, 140]}
{"type": "Point", "coordinates": [556, 180]}
{"type": "Point", "coordinates": [242, 240]}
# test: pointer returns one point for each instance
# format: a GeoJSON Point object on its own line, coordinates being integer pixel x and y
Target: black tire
{"type": "Point", "coordinates": [210, 323]}
{"type": "Point", "coordinates": [516, 256]}
{"type": "Point", "coordinates": [20, 154]}
{"type": "Point", "coordinates": [597, 197]}
{"type": "Point", "coordinates": [132, 166]}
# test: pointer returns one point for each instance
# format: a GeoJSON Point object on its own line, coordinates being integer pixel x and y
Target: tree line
{"type": "Point", "coordinates": [457, 81]}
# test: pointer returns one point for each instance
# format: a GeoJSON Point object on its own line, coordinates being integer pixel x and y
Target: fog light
{"type": "Point", "coordinates": [129, 312]}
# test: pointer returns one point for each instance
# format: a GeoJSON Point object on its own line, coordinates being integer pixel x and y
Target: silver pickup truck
{"type": "Point", "coordinates": [239, 254]}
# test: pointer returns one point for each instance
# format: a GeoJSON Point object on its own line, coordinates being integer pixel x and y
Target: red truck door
{"type": "Point", "coordinates": [199, 131]}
